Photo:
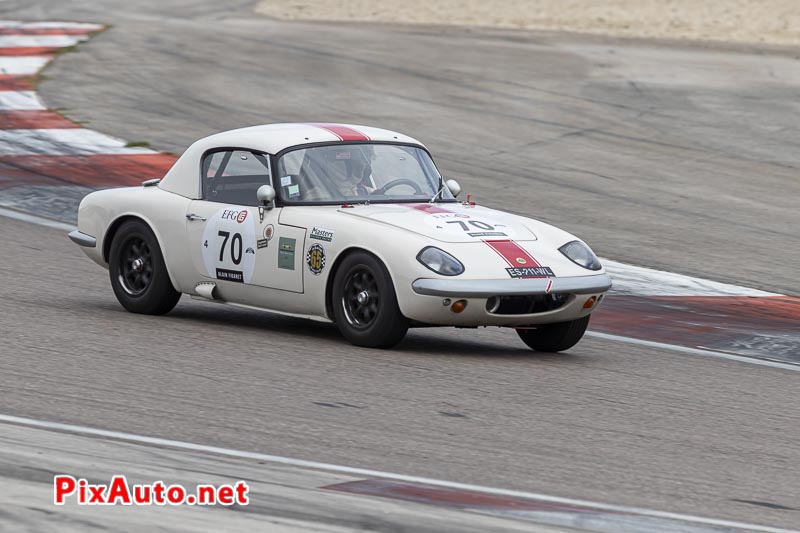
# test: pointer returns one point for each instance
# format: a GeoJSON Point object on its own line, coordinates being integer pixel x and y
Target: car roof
{"type": "Point", "coordinates": [183, 177]}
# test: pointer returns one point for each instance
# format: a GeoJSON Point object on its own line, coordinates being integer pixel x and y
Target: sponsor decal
{"type": "Point", "coordinates": [228, 245]}
{"type": "Point", "coordinates": [233, 214]}
{"type": "Point", "coordinates": [230, 275]}
{"type": "Point", "coordinates": [322, 234]}
{"type": "Point", "coordinates": [531, 272]}
{"type": "Point", "coordinates": [269, 232]}
{"type": "Point", "coordinates": [315, 259]}
{"type": "Point", "coordinates": [286, 253]}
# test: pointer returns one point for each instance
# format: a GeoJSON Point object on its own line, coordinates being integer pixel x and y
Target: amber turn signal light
{"type": "Point", "coordinates": [589, 303]}
{"type": "Point", "coordinates": [458, 306]}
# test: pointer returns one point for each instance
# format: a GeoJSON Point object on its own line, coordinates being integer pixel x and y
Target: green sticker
{"type": "Point", "coordinates": [286, 253]}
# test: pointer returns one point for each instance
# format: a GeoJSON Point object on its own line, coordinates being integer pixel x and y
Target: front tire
{"type": "Point", "coordinates": [138, 274]}
{"type": "Point", "coordinates": [554, 337]}
{"type": "Point", "coordinates": [364, 303]}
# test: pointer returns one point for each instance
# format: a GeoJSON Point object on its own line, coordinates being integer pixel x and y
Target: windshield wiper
{"type": "Point", "coordinates": [440, 191]}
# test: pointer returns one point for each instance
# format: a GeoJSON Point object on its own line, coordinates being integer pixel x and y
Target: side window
{"type": "Point", "coordinates": [234, 176]}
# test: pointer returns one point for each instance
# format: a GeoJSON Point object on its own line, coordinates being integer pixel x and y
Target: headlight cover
{"type": "Point", "coordinates": [440, 261]}
{"type": "Point", "coordinates": [581, 255]}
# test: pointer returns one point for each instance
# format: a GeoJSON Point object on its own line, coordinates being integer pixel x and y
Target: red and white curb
{"type": "Point", "coordinates": [41, 150]}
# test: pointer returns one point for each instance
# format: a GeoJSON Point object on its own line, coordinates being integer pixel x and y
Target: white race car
{"type": "Point", "coordinates": [345, 224]}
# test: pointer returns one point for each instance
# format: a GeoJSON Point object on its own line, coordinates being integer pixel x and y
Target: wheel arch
{"type": "Point", "coordinates": [117, 223]}
{"type": "Point", "coordinates": [335, 268]}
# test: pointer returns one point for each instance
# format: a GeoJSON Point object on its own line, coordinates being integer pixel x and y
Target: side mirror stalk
{"type": "Point", "coordinates": [266, 200]}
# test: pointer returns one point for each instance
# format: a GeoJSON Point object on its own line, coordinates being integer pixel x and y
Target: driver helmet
{"type": "Point", "coordinates": [353, 163]}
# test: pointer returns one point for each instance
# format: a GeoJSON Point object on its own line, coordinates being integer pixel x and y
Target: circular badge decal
{"type": "Point", "coordinates": [315, 259]}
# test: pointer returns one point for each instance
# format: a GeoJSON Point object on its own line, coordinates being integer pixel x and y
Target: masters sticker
{"type": "Point", "coordinates": [322, 234]}
{"type": "Point", "coordinates": [228, 246]}
{"type": "Point", "coordinates": [531, 272]}
{"type": "Point", "coordinates": [315, 259]}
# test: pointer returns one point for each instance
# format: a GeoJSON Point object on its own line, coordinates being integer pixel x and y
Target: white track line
{"type": "Point", "coordinates": [63, 142]}
{"type": "Point", "coordinates": [20, 101]}
{"type": "Point", "coordinates": [695, 351]}
{"type": "Point", "coordinates": [630, 279]}
{"type": "Point", "coordinates": [364, 472]}
{"type": "Point", "coordinates": [22, 65]}
{"type": "Point", "coordinates": [55, 41]}
{"type": "Point", "coordinates": [88, 27]}
{"type": "Point", "coordinates": [33, 219]}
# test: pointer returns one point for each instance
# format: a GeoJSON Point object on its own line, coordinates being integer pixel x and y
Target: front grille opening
{"type": "Point", "coordinates": [525, 305]}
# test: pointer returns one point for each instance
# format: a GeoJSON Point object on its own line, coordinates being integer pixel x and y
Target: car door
{"type": "Point", "coordinates": [235, 243]}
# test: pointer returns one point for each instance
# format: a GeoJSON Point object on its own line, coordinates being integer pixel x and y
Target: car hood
{"type": "Point", "coordinates": [448, 222]}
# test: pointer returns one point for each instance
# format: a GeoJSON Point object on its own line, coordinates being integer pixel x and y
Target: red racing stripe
{"type": "Point", "coordinates": [343, 132]}
{"type": "Point", "coordinates": [36, 119]}
{"type": "Point", "coordinates": [29, 50]}
{"type": "Point", "coordinates": [429, 208]}
{"type": "Point", "coordinates": [514, 254]}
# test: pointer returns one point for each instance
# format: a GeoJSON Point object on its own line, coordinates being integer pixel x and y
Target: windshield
{"type": "Point", "coordinates": [356, 173]}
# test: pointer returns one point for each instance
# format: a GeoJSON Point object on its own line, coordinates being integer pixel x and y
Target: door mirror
{"type": "Point", "coordinates": [453, 187]}
{"type": "Point", "coordinates": [266, 196]}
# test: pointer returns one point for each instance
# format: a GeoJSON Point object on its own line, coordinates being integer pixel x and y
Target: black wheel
{"type": "Point", "coordinates": [554, 337]}
{"type": "Point", "coordinates": [138, 274]}
{"type": "Point", "coordinates": [365, 304]}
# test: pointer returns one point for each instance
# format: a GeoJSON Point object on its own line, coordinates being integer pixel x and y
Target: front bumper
{"type": "Point", "coordinates": [463, 288]}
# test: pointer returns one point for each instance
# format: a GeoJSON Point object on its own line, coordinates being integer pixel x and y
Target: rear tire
{"type": "Point", "coordinates": [364, 303]}
{"type": "Point", "coordinates": [554, 337]}
{"type": "Point", "coordinates": [138, 274]}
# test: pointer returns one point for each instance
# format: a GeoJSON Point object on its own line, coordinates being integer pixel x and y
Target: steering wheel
{"type": "Point", "coordinates": [399, 181]}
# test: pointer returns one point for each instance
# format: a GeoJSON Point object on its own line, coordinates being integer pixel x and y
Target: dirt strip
{"type": "Point", "coordinates": [750, 21]}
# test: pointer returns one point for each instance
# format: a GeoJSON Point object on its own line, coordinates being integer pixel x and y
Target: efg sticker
{"type": "Point", "coordinates": [322, 234]}
{"type": "Point", "coordinates": [229, 241]}
{"type": "Point", "coordinates": [286, 181]}
{"type": "Point", "coordinates": [294, 190]}
{"type": "Point", "coordinates": [262, 243]}
{"type": "Point", "coordinates": [531, 272]}
{"type": "Point", "coordinates": [343, 155]}
{"type": "Point", "coordinates": [315, 259]}
{"type": "Point", "coordinates": [286, 253]}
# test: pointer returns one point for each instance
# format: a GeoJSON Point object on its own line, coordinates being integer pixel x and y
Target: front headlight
{"type": "Point", "coordinates": [440, 261]}
{"type": "Point", "coordinates": [581, 255]}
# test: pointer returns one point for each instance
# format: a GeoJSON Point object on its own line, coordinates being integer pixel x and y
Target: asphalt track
{"type": "Point", "coordinates": [649, 152]}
